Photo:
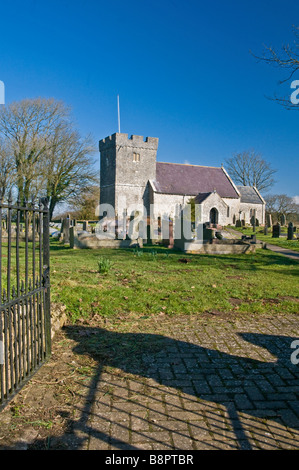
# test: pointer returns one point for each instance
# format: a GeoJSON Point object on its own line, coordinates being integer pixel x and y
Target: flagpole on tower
{"type": "Point", "coordinates": [118, 113]}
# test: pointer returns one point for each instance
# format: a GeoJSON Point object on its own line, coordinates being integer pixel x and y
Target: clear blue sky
{"type": "Point", "coordinates": [183, 70]}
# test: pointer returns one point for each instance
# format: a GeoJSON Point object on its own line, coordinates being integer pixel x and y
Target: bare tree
{"type": "Point", "coordinates": [248, 168]}
{"type": "Point", "coordinates": [287, 58]}
{"type": "Point", "coordinates": [85, 205]}
{"type": "Point", "coordinates": [7, 176]}
{"type": "Point", "coordinates": [48, 154]}
{"type": "Point", "coordinates": [281, 204]}
{"type": "Point", "coordinates": [68, 165]}
{"type": "Point", "coordinates": [27, 127]}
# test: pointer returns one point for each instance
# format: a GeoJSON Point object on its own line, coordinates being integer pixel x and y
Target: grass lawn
{"type": "Point", "coordinates": [282, 241]}
{"type": "Point", "coordinates": [158, 281]}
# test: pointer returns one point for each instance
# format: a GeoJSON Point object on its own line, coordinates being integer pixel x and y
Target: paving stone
{"type": "Point", "coordinates": [182, 442]}
{"type": "Point", "coordinates": [151, 437]}
{"type": "Point", "coordinates": [290, 418]}
{"type": "Point", "coordinates": [219, 386]}
{"type": "Point", "coordinates": [98, 442]}
{"type": "Point", "coordinates": [254, 393]}
{"type": "Point", "coordinates": [200, 430]}
{"type": "Point", "coordinates": [243, 402]}
{"type": "Point", "coordinates": [169, 425]}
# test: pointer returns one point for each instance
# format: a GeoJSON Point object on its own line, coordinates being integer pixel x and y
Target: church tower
{"type": "Point", "coordinates": [127, 164]}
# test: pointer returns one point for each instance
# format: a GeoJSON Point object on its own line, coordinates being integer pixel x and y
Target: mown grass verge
{"type": "Point", "coordinates": [160, 281]}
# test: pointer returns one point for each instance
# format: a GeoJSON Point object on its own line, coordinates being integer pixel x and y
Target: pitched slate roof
{"type": "Point", "coordinates": [201, 197]}
{"type": "Point", "coordinates": [175, 178]}
{"type": "Point", "coordinates": [249, 195]}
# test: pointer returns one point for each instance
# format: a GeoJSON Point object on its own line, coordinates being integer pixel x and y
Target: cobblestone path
{"type": "Point", "coordinates": [182, 383]}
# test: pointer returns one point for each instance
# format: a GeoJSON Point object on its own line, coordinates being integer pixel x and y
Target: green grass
{"type": "Point", "coordinates": [155, 281]}
{"type": "Point", "coordinates": [281, 242]}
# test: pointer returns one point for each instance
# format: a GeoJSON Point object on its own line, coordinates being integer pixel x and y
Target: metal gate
{"type": "Point", "coordinates": [25, 324]}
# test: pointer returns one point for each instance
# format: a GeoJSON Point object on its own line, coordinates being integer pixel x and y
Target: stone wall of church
{"type": "Point", "coordinates": [130, 198]}
{"type": "Point", "coordinates": [127, 163]}
{"type": "Point", "coordinates": [167, 204]}
{"type": "Point", "coordinates": [234, 208]}
{"type": "Point", "coordinates": [127, 166]}
{"type": "Point", "coordinates": [245, 209]}
{"type": "Point", "coordinates": [214, 201]}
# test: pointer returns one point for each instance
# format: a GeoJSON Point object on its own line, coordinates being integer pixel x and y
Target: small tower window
{"type": "Point", "coordinates": [136, 157]}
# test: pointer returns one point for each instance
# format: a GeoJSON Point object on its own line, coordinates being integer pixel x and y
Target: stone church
{"type": "Point", "coordinates": [131, 177]}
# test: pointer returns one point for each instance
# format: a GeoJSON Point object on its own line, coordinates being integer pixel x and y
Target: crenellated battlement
{"type": "Point", "coordinates": [124, 140]}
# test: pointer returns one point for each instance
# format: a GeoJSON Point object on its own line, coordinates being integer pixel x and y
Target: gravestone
{"type": "Point", "coordinates": [266, 229]}
{"type": "Point", "coordinates": [167, 233]}
{"type": "Point", "coordinates": [238, 223]}
{"type": "Point", "coordinates": [66, 230]}
{"type": "Point", "coordinates": [149, 240]}
{"type": "Point", "coordinates": [73, 235]}
{"type": "Point", "coordinates": [276, 230]}
{"type": "Point", "coordinates": [85, 225]}
{"type": "Point", "coordinates": [290, 231]}
{"type": "Point", "coordinates": [283, 219]}
{"type": "Point", "coordinates": [269, 220]}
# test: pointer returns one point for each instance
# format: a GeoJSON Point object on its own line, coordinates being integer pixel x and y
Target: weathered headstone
{"type": "Point", "coordinates": [149, 234]}
{"type": "Point", "coordinates": [283, 219]}
{"type": "Point", "coordinates": [269, 220]}
{"type": "Point", "coordinates": [238, 223]}
{"type": "Point", "coordinates": [276, 230]}
{"type": "Point", "coordinates": [167, 233]}
{"type": "Point", "coordinates": [290, 231]}
{"type": "Point", "coordinates": [266, 229]}
{"type": "Point", "coordinates": [159, 226]}
{"type": "Point", "coordinates": [73, 234]}
{"type": "Point", "coordinates": [66, 230]}
{"type": "Point", "coordinates": [85, 225]}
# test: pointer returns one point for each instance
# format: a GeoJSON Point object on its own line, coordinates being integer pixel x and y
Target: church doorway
{"type": "Point", "coordinates": [214, 216]}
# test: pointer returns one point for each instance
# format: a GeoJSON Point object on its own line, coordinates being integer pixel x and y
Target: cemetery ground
{"type": "Point", "coordinates": [282, 241]}
{"type": "Point", "coordinates": [164, 350]}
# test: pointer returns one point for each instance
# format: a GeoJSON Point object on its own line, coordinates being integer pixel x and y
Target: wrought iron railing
{"type": "Point", "coordinates": [25, 326]}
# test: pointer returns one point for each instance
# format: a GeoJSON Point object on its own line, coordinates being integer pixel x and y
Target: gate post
{"type": "Point", "coordinates": [46, 275]}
